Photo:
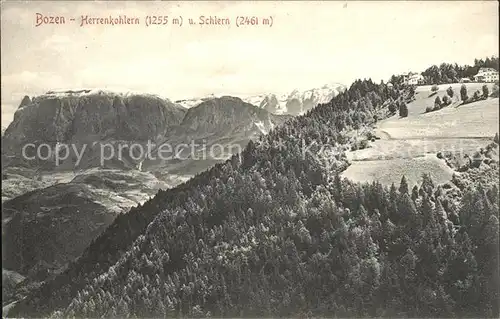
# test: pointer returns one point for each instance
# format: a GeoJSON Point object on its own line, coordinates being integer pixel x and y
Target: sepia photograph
{"type": "Point", "coordinates": [250, 159]}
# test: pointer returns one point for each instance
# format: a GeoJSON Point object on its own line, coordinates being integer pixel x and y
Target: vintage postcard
{"type": "Point", "coordinates": [250, 159]}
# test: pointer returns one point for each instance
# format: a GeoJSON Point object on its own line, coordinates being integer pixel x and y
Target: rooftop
{"type": "Point", "coordinates": [481, 70]}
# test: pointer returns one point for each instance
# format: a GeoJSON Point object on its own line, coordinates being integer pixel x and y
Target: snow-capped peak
{"type": "Point", "coordinates": [296, 102]}
{"type": "Point", "coordinates": [99, 91]}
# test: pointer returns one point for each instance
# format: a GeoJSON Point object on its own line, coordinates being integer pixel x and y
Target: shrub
{"type": "Point", "coordinates": [435, 88]}
{"type": "Point", "coordinates": [463, 93]}
{"type": "Point", "coordinates": [437, 102]}
{"type": "Point", "coordinates": [495, 139]}
{"type": "Point", "coordinates": [476, 96]}
{"type": "Point", "coordinates": [477, 159]}
{"type": "Point", "coordinates": [494, 91]}
{"type": "Point", "coordinates": [446, 100]}
{"type": "Point", "coordinates": [392, 107]}
{"type": "Point", "coordinates": [411, 91]}
{"type": "Point", "coordinates": [403, 110]}
{"type": "Point", "coordinates": [450, 92]}
{"type": "Point", "coordinates": [428, 109]}
{"type": "Point", "coordinates": [363, 144]}
{"type": "Point", "coordinates": [486, 91]}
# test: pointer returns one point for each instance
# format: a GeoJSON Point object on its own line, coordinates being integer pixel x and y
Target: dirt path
{"type": "Point", "coordinates": [384, 136]}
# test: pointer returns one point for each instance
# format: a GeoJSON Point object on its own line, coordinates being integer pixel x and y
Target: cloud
{"type": "Point", "coordinates": [57, 42]}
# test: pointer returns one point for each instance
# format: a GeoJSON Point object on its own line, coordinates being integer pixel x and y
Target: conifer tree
{"type": "Point", "coordinates": [403, 187]}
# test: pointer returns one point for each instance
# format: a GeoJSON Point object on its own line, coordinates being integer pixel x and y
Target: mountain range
{"type": "Point", "coordinates": [293, 103]}
{"type": "Point", "coordinates": [82, 194]}
{"type": "Point", "coordinates": [66, 207]}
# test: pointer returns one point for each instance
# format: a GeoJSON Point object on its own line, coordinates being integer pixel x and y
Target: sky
{"type": "Point", "coordinates": [308, 45]}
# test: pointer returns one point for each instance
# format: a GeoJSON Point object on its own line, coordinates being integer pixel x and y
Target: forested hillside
{"type": "Point", "coordinates": [275, 231]}
{"type": "Point", "coordinates": [345, 250]}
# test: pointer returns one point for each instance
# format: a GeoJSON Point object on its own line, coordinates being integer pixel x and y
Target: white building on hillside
{"type": "Point", "coordinates": [415, 79]}
{"type": "Point", "coordinates": [411, 78]}
{"type": "Point", "coordinates": [486, 75]}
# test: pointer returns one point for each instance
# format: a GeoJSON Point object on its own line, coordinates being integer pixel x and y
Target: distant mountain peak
{"type": "Point", "coordinates": [277, 103]}
{"type": "Point", "coordinates": [221, 113]}
{"type": "Point", "coordinates": [297, 101]}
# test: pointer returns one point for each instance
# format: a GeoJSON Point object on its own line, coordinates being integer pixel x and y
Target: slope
{"type": "Point", "coordinates": [51, 213]}
{"type": "Point", "coordinates": [408, 146]}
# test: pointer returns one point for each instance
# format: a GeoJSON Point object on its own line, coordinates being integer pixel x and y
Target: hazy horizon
{"type": "Point", "coordinates": [310, 44]}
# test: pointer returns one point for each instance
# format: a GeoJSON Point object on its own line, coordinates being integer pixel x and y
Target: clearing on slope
{"type": "Point", "coordinates": [409, 145]}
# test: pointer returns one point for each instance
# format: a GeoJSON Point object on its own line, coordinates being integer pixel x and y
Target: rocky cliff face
{"type": "Point", "coordinates": [91, 115]}
{"type": "Point", "coordinates": [219, 127]}
{"type": "Point", "coordinates": [299, 102]}
{"type": "Point", "coordinates": [225, 114]}
{"type": "Point", "coordinates": [86, 117]}
{"type": "Point", "coordinates": [270, 103]}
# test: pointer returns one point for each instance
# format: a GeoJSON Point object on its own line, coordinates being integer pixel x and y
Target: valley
{"type": "Point", "coordinates": [53, 196]}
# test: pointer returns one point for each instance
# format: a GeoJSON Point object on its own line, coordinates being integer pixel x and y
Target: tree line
{"type": "Point", "coordinates": [453, 73]}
